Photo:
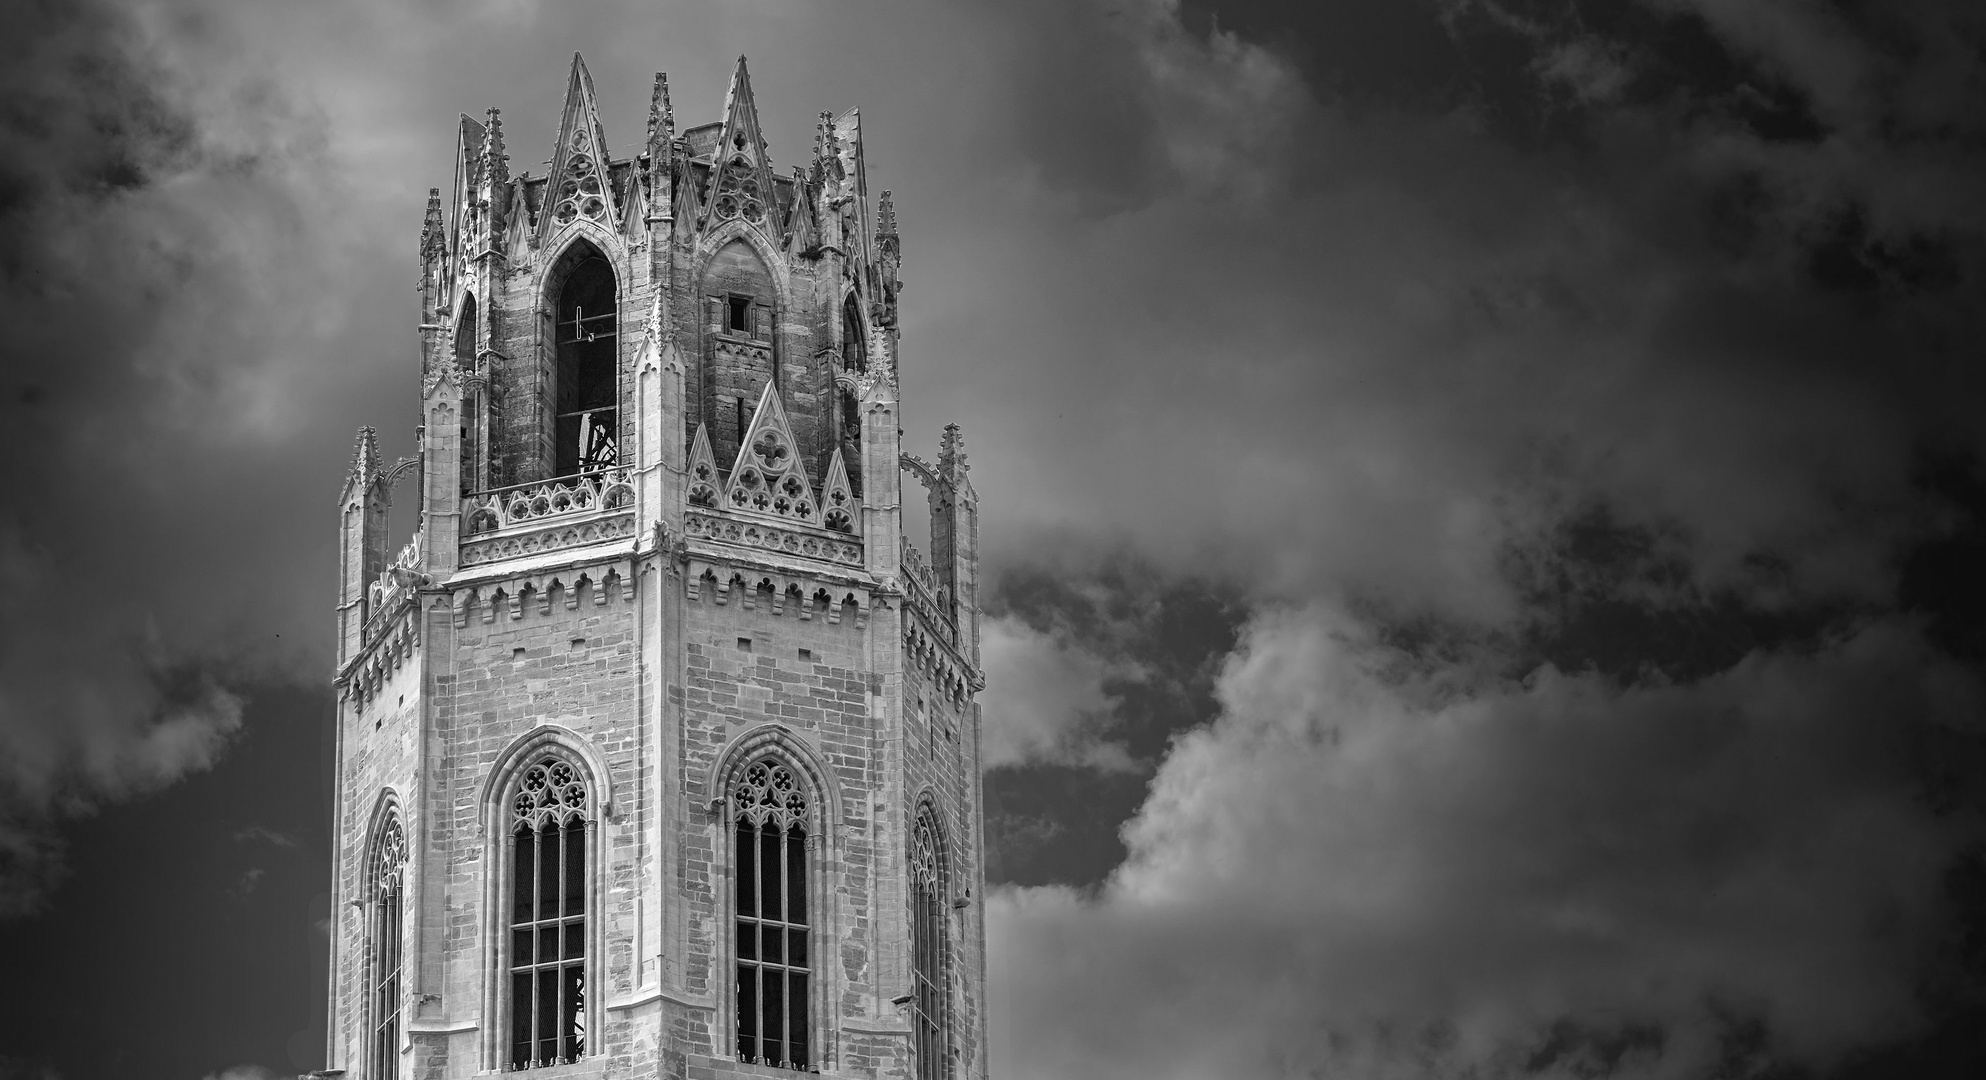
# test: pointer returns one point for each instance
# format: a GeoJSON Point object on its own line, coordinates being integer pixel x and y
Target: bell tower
{"type": "Point", "coordinates": [657, 740]}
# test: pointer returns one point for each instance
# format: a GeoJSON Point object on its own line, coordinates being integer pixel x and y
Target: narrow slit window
{"type": "Point", "coordinates": [547, 940]}
{"type": "Point", "coordinates": [854, 345]}
{"type": "Point", "coordinates": [773, 944]}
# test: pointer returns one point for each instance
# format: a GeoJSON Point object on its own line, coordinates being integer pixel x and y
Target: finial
{"type": "Point", "coordinates": [661, 114]}
{"type": "Point", "coordinates": [951, 450]}
{"type": "Point", "coordinates": [365, 456]}
{"type": "Point", "coordinates": [496, 163]}
{"type": "Point", "coordinates": [886, 217]}
{"type": "Point", "coordinates": [433, 234]}
{"type": "Point", "coordinates": [826, 146]}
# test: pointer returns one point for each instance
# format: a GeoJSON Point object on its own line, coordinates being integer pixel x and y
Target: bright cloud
{"type": "Point", "coordinates": [1361, 870]}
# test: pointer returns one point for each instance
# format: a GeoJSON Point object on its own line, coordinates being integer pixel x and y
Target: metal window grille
{"type": "Point", "coordinates": [389, 860]}
{"type": "Point", "coordinates": [547, 945]}
{"type": "Point", "coordinates": [773, 943]}
{"type": "Point", "coordinates": [930, 953]}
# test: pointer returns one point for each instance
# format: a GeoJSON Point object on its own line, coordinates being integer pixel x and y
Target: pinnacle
{"type": "Point", "coordinates": [661, 114]}
{"type": "Point", "coordinates": [365, 456]}
{"type": "Point", "coordinates": [951, 450]}
{"type": "Point", "coordinates": [886, 216]}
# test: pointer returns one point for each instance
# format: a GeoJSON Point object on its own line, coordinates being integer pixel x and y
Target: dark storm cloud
{"type": "Point", "coordinates": [1665, 310]}
{"type": "Point", "coordinates": [1575, 407]}
{"type": "Point", "coordinates": [134, 198]}
{"type": "Point", "coordinates": [1102, 660]}
{"type": "Point", "coordinates": [1582, 374]}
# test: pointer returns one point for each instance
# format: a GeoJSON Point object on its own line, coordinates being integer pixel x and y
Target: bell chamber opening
{"type": "Point", "coordinates": [586, 437]}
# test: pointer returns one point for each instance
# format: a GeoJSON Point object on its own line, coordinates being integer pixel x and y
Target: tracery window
{"type": "Point", "coordinates": [385, 887]}
{"type": "Point", "coordinates": [929, 946]}
{"type": "Point", "coordinates": [547, 942]}
{"type": "Point", "coordinates": [770, 890]}
{"type": "Point", "coordinates": [738, 193]}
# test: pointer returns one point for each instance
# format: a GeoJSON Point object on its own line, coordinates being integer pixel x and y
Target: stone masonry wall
{"type": "Point", "coordinates": [495, 681]}
{"type": "Point", "coordinates": [745, 666]}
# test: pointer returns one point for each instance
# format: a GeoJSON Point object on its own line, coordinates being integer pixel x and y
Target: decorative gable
{"type": "Point", "coordinates": [703, 471]}
{"type": "Point", "coordinates": [768, 477]}
{"type": "Point", "coordinates": [837, 499]}
{"type": "Point", "coordinates": [579, 186]}
{"type": "Point", "coordinates": [742, 186]}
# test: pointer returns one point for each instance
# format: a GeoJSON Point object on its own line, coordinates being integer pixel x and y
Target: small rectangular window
{"type": "Point", "coordinates": [745, 644]}
{"type": "Point", "coordinates": [741, 315]}
{"type": "Point", "coordinates": [806, 654]}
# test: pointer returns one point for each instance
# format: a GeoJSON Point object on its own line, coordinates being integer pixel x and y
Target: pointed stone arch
{"type": "Point", "coordinates": [582, 291]}
{"type": "Point", "coordinates": [519, 755]}
{"type": "Point", "coordinates": [742, 296]}
{"type": "Point", "coordinates": [775, 743]}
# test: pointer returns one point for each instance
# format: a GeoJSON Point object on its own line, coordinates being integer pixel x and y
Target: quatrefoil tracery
{"type": "Point", "coordinates": [580, 192]}
{"type": "Point", "coordinates": [770, 791]}
{"type": "Point", "coordinates": [551, 792]}
{"type": "Point", "coordinates": [738, 193]}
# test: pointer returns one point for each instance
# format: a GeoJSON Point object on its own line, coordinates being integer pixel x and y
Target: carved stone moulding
{"type": "Point", "coordinates": [773, 538]}
{"type": "Point", "coordinates": [556, 538]}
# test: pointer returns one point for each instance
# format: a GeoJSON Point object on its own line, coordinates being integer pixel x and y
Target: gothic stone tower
{"type": "Point", "coordinates": [657, 743]}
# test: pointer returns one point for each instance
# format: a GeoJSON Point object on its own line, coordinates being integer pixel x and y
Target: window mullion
{"type": "Point", "coordinates": [786, 966]}
{"type": "Point", "coordinates": [537, 906]}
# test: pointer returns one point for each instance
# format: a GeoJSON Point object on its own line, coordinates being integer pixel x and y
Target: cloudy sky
{"type": "Point", "coordinates": [1485, 503]}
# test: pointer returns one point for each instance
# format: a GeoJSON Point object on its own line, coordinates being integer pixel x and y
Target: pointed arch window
{"type": "Point", "coordinates": [774, 941]}
{"type": "Point", "coordinates": [930, 947]}
{"type": "Point", "coordinates": [465, 333]}
{"type": "Point", "coordinates": [385, 887]}
{"type": "Point", "coordinates": [546, 947]}
{"type": "Point", "coordinates": [585, 334]}
{"type": "Point", "coordinates": [465, 360]}
{"type": "Point", "coordinates": [854, 344]}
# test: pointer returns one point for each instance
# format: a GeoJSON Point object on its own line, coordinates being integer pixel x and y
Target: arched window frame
{"type": "Point", "coordinates": [929, 863]}
{"type": "Point", "coordinates": [467, 330]}
{"type": "Point", "coordinates": [384, 988]}
{"type": "Point", "coordinates": [715, 414]}
{"type": "Point", "coordinates": [500, 788]}
{"type": "Point", "coordinates": [775, 742]}
{"type": "Point", "coordinates": [582, 240]}
{"type": "Point", "coordinates": [855, 326]}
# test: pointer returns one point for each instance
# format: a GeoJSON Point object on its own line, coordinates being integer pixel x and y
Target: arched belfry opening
{"type": "Point", "coordinates": [585, 336]}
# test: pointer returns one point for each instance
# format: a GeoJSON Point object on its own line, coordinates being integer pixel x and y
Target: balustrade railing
{"type": "Point", "coordinates": [523, 504]}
